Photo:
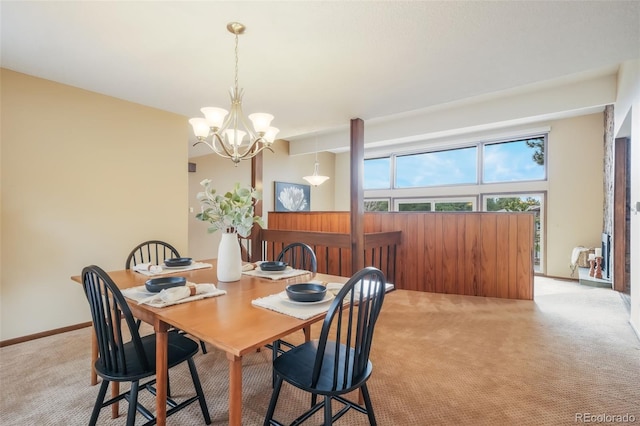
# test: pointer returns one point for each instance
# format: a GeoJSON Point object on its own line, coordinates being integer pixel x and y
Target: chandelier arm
{"type": "Point", "coordinates": [253, 136]}
{"type": "Point", "coordinates": [213, 148]}
{"type": "Point", "coordinates": [258, 151]}
{"type": "Point", "coordinates": [217, 138]}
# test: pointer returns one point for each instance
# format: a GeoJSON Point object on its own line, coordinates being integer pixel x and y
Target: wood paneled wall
{"type": "Point", "coordinates": [476, 254]}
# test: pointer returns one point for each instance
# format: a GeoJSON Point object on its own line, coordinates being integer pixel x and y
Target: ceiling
{"type": "Point", "coordinates": [314, 65]}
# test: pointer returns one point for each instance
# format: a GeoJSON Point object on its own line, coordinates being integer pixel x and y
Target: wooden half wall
{"type": "Point", "coordinates": [475, 253]}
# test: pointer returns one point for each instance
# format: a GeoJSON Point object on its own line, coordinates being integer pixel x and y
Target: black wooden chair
{"type": "Point", "coordinates": [135, 360]}
{"type": "Point", "coordinates": [155, 252]}
{"type": "Point", "coordinates": [298, 256]}
{"type": "Point", "coordinates": [152, 251]}
{"type": "Point", "coordinates": [338, 362]}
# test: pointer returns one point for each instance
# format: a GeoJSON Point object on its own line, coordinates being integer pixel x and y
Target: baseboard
{"type": "Point", "coordinates": [47, 333]}
{"type": "Point", "coordinates": [633, 327]}
{"type": "Point", "coordinates": [558, 278]}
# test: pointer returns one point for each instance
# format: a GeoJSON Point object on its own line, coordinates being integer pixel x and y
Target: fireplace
{"type": "Point", "coordinates": [606, 256]}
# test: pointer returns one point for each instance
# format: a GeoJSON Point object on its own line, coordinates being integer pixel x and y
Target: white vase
{"type": "Point", "coordinates": [229, 258]}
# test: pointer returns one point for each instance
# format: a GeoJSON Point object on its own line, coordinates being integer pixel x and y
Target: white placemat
{"type": "Point", "coordinates": [279, 303]}
{"type": "Point", "coordinates": [288, 273]}
{"type": "Point", "coordinates": [167, 271]}
{"type": "Point", "coordinates": [141, 295]}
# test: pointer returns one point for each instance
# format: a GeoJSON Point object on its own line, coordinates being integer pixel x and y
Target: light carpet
{"type": "Point", "coordinates": [438, 360]}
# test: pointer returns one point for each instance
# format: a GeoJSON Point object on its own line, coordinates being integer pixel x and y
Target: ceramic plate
{"type": "Point", "coordinates": [274, 272]}
{"type": "Point", "coordinates": [327, 298]}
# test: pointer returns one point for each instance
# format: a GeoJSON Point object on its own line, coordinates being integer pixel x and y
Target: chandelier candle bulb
{"type": "Point", "coordinates": [598, 252]}
{"type": "Point", "coordinates": [200, 127]}
{"type": "Point", "coordinates": [231, 136]}
{"type": "Point", "coordinates": [261, 121]}
{"type": "Point", "coordinates": [214, 117]}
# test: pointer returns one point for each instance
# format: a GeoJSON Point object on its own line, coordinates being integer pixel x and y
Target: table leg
{"type": "Point", "coordinates": [115, 407]}
{"type": "Point", "coordinates": [162, 375]}
{"type": "Point", "coordinates": [94, 357]}
{"type": "Point", "coordinates": [307, 333]}
{"type": "Point", "coordinates": [235, 390]}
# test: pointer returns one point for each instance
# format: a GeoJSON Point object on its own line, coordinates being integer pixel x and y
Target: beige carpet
{"type": "Point", "coordinates": [443, 360]}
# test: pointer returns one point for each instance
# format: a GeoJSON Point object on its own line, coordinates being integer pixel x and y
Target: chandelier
{"type": "Point", "coordinates": [224, 131]}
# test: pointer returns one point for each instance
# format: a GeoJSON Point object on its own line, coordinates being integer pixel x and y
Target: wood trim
{"type": "Point", "coordinates": [621, 152]}
{"type": "Point", "coordinates": [47, 333]}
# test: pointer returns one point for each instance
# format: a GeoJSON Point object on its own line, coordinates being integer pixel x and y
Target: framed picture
{"type": "Point", "coordinates": [292, 197]}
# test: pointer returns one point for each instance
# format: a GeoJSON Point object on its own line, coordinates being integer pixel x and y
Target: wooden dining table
{"type": "Point", "coordinates": [229, 322]}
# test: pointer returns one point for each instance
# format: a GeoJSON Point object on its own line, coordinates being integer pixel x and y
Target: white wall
{"type": "Point", "coordinates": [575, 197]}
{"type": "Point", "coordinates": [84, 178]}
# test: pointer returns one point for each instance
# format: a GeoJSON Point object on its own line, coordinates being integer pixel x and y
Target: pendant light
{"type": "Point", "coordinates": [315, 179]}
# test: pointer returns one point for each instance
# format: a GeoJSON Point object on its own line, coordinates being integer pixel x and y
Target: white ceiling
{"type": "Point", "coordinates": [314, 65]}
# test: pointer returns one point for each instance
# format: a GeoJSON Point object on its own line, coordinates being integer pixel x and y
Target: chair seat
{"type": "Point", "coordinates": [179, 349]}
{"type": "Point", "coordinates": [296, 367]}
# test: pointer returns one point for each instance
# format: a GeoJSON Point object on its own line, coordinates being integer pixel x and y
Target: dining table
{"type": "Point", "coordinates": [229, 322]}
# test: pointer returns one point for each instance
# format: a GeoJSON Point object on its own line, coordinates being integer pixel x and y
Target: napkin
{"type": "Point", "coordinates": [249, 267]}
{"type": "Point", "coordinates": [174, 294]}
{"type": "Point", "coordinates": [148, 267]}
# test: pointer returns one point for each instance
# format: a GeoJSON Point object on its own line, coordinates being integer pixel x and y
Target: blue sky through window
{"type": "Point", "coordinates": [455, 166]}
{"type": "Point", "coordinates": [377, 173]}
{"type": "Point", "coordinates": [510, 161]}
{"type": "Point", "coordinates": [502, 162]}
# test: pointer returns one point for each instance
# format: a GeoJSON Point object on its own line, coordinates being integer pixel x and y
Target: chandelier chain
{"type": "Point", "coordinates": [236, 81]}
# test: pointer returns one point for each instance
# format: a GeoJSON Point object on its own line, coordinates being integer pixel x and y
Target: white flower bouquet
{"type": "Point", "coordinates": [232, 212]}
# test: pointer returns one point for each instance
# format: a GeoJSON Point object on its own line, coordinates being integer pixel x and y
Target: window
{"type": "Point", "coordinates": [376, 205]}
{"type": "Point", "coordinates": [377, 173]}
{"type": "Point", "coordinates": [448, 167]}
{"type": "Point", "coordinates": [514, 161]}
{"type": "Point", "coordinates": [412, 206]}
{"type": "Point", "coordinates": [466, 204]}
{"type": "Point", "coordinates": [522, 203]}
{"type": "Point", "coordinates": [481, 175]}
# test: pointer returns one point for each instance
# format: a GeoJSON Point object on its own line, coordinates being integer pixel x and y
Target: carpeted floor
{"type": "Point", "coordinates": [438, 360]}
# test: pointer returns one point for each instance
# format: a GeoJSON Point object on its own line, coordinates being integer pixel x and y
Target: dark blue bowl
{"type": "Point", "coordinates": [154, 285]}
{"type": "Point", "coordinates": [178, 261]}
{"type": "Point", "coordinates": [273, 266]}
{"type": "Point", "coordinates": [306, 292]}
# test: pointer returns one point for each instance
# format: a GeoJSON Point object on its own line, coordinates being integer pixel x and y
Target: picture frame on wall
{"type": "Point", "coordinates": [292, 197]}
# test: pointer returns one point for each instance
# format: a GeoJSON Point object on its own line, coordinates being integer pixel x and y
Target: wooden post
{"type": "Point", "coordinates": [257, 183]}
{"type": "Point", "coordinates": [357, 195]}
